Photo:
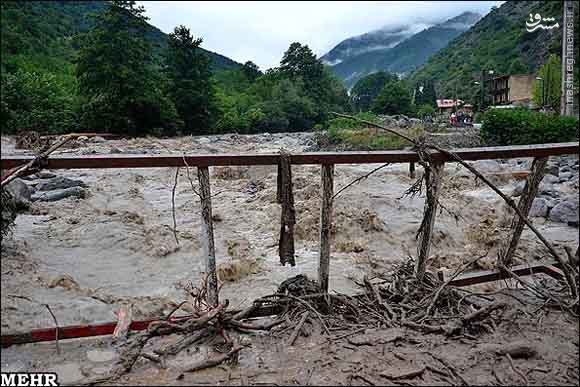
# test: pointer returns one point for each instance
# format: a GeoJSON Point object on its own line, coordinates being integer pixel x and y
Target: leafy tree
{"type": "Point", "coordinates": [115, 73]}
{"type": "Point", "coordinates": [425, 94]}
{"type": "Point", "coordinates": [36, 101]}
{"type": "Point", "coordinates": [251, 70]}
{"type": "Point", "coordinates": [426, 111]}
{"type": "Point", "coordinates": [368, 88]}
{"type": "Point", "coordinates": [549, 88]}
{"type": "Point", "coordinates": [300, 63]}
{"type": "Point", "coordinates": [189, 76]}
{"type": "Point", "coordinates": [517, 66]}
{"type": "Point", "coordinates": [393, 99]}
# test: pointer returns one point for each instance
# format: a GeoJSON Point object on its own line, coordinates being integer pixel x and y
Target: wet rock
{"type": "Point", "coordinates": [550, 179]}
{"type": "Point", "coordinates": [552, 169]}
{"type": "Point", "coordinates": [45, 175]}
{"type": "Point", "coordinates": [100, 356]}
{"type": "Point", "coordinates": [548, 190]}
{"type": "Point", "coordinates": [114, 150]}
{"type": "Point", "coordinates": [487, 166]}
{"type": "Point", "coordinates": [20, 191]}
{"type": "Point", "coordinates": [415, 122]}
{"type": "Point", "coordinates": [82, 138]}
{"type": "Point", "coordinates": [573, 222]}
{"type": "Point", "coordinates": [539, 208]}
{"type": "Point", "coordinates": [68, 373]}
{"type": "Point", "coordinates": [565, 211]}
{"type": "Point", "coordinates": [518, 189]}
{"type": "Point", "coordinates": [59, 183]}
{"type": "Point", "coordinates": [39, 175]}
{"type": "Point", "coordinates": [403, 123]}
{"type": "Point", "coordinates": [59, 194]}
{"type": "Point", "coordinates": [97, 139]}
{"type": "Point", "coordinates": [564, 176]}
{"type": "Point", "coordinates": [565, 168]}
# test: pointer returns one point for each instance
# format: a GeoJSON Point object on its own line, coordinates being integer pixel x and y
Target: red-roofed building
{"type": "Point", "coordinates": [446, 106]}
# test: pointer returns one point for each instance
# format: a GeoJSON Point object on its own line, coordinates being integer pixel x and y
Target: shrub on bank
{"type": "Point", "coordinates": [520, 126]}
{"type": "Point", "coordinates": [358, 136]}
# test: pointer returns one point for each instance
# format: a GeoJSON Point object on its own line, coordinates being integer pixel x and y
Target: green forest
{"type": "Point", "coordinates": [90, 66]}
{"type": "Point", "coordinates": [113, 77]}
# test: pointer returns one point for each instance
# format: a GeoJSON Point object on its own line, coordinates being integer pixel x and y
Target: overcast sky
{"type": "Point", "coordinates": [261, 31]}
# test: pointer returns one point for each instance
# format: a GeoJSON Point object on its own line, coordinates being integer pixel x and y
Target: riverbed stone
{"type": "Point", "coordinates": [564, 211]}
{"type": "Point", "coordinates": [20, 191]}
{"type": "Point", "coordinates": [97, 139]}
{"type": "Point", "coordinates": [552, 169]}
{"type": "Point", "coordinates": [59, 194]}
{"type": "Point", "coordinates": [539, 208]}
{"type": "Point", "coordinates": [59, 182]}
{"type": "Point", "coordinates": [550, 179]}
{"type": "Point", "coordinates": [564, 176]}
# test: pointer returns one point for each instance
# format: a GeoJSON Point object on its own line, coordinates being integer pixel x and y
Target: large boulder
{"type": "Point", "coordinates": [415, 123]}
{"type": "Point", "coordinates": [20, 192]}
{"type": "Point", "coordinates": [97, 139]}
{"type": "Point", "coordinates": [565, 210]}
{"type": "Point", "coordinates": [552, 169]}
{"type": "Point", "coordinates": [550, 179]}
{"type": "Point", "coordinates": [488, 166]}
{"type": "Point", "coordinates": [59, 194]}
{"type": "Point", "coordinates": [518, 189]}
{"type": "Point", "coordinates": [564, 176]}
{"type": "Point", "coordinates": [539, 208]}
{"type": "Point", "coordinates": [59, 182]}
{"type": "Point", "coordinates": [548, 191]}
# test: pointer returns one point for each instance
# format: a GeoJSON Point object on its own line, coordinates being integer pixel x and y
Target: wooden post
{"type": "Point", "coordinates": [327, 187]}
{"type": "Point", "coordinates": [285, 197]}
{"type": "Point", "coordinates": [207, 235]}
{"type": "Point", "coordinates": [525, 204]}
{"type": "Point", "coordinates": [433, 181]}
{"type": "Point", "coordinates": [412, 170]}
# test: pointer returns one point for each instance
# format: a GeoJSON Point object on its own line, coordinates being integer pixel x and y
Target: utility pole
{"type": "Point", "coordinates": [567, 98]}
{"type": "Point", "coordinates": [482, 90]}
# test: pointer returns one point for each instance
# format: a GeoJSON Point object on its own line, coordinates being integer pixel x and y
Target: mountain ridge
{"type": "Point", "coordinates": [494, 43]}
{"type": "Point", "coordinates": [45, 28]}
{"type": "Point", "coordinates": [409, 52]}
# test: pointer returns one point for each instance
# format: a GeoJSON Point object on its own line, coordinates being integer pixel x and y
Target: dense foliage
{"type": "Point", "coordinates": [113, 73]}
{"type": "Point", "coordinates": [354, 135]}
{"type": "Point", "coordinates": [189, 85]}
{"type": "Point", "coordinates": [297, 95]}
{"type": "Point", "coordinates": [37, 101]}
{"type": "Point", "coordinates": [394, 98]}
{"type": "Point", "coordinates": [519, 126]}
{"type": "Point", "coordinates": [367, 89]}
{"type": "Point", "coordinates": [547, 90]}
{"type": "Point", "coordinates": [118, 83]}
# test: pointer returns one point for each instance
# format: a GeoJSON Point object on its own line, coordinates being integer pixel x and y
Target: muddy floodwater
{"type": "Point", "coordinates": [87, 257]}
